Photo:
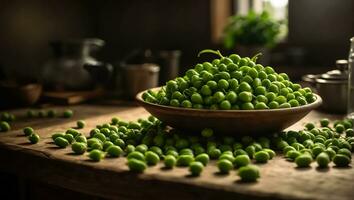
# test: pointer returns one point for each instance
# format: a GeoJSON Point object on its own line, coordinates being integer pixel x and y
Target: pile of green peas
{"type": "Point", "coordinates": [67, 113]}
{"type": "Point", "coordinates": [149, 142]}
{"type": "Point", "coordinates": [231, 82]}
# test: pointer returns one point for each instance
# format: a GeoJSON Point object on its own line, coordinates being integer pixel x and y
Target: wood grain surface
{"type": "Point", "coordinates": [111, 179]}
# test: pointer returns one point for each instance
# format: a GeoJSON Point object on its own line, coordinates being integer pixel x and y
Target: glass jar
{"type": "Point", "coordinates": [350, 108]}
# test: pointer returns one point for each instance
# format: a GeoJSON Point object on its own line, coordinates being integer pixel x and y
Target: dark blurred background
{"type": "Point", "coordinates": [318, 31]}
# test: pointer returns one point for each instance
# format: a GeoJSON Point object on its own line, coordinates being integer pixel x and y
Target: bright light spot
{"type": "Point", "coordinates": [278, 3]}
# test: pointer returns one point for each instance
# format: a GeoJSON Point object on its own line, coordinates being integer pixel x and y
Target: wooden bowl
{"type": "Point", "coordinates": [235, 122]}
{"type": "Point", "coordinates": [24, 95]}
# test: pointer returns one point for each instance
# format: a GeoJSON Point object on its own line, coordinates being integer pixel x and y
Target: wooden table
{"type": "Point", "coordinates": [110, 178]}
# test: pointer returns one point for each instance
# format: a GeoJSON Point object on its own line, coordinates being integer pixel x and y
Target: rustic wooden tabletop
{"type": "Point", "coordinates": [110, 178]}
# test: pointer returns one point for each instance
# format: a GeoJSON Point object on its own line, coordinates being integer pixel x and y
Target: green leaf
{"type": "Point", "coordinates": [216, 52]}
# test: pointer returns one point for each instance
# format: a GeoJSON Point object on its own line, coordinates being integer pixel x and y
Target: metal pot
{"type": "Point", "coordinates": [332, 86]}
{"type": "Point", "coordinates": [138, 77]}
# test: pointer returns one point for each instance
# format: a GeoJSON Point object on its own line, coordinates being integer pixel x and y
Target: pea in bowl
{"type": "Point", "coordinates": [234, 122]}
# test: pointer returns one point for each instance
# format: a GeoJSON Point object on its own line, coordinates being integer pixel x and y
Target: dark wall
{"type": "Point", "coordinates": [28, 26]}
{"type": "Point", "coordinates": [321, 27]}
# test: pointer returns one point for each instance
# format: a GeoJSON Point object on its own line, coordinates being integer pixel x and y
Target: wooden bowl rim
{"type": "Point", "coordinates": [311, 106]}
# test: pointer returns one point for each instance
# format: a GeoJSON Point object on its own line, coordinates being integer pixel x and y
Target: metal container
{"type": "Point", "coordinates": [65, 71]}
{"type": "Point", "coordinates": [139, 77]}
{"type": "Point", "coordinates": [332, 87]}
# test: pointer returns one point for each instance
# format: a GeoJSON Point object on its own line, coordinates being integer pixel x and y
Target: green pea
{"type": "Point", "coordinates": [324, 122]}
{"type": "Point", "coordinates": [273, 105]}
{"type": "Point", "coordinates": [4, 126]}
{"type": "Point", "coordinates": [184, 160]}
{"type": "Point", "coordinates": [219, 96]}
{"type": "Point", "coordinates": [34, 138]}
{"type": "Point", "coordinates": [81, 139]}
{"type": "Point", "coordinates": [270, 152]}
{"type": "Point", "coordinates": [249, 173]}
{"type": "Point", "coordinates": [107, 144]}
{"type": "Point", "coordinates": [197, 98]}
{"type": "Point", "coordinates": [212, 85]}
{"type": "Point", "coordinates": [28, 131]}
{"type": "Point", "coordinates": [203, 158]}
{"type": "Point", "coordinates": [310, 126]}
{"type": "Point", "coordinates": [141, 148]}
{"type": "Point", "coordinates": [322, 160]}
{"type": "Point", "coordinates": [129, 148]}
{"type": "Point", "coordinates": [303, 160]}
{"type": "Point", "coordinates": [52, 113]}
{"type": "Point", "coordinates": [245, 96]}
{"type": "Point", "coordinates": [97, 145]}
{"type": "Point", "coordinates": [173, 153]}
{"type": "Point", "coordinates": [61, 142]}
{"type": "Point", "coordinates": [292, 154]}
{"type": "Point", "coordinates": [214, 153]}
{"type": "Point", "coordinates": [186, 151]}
{"type": "Point", "coordinates": [231, 96]}
{"type": "Point", "coordinates": [261, 157]}
{"type": "Point", "coordinates": [136, 155]}
{"type": "Point", "coordinates": [156, 150]}
{"type": "Point", "coordinates": [119, 142]}
{"type": "Point", "coordinates": [79, 148]}
{"type": "Point", "coordinates": [69, 138]}
{"type": "Point", "coordinates": [96, 155]}
{"type": "Point", "coordinates": [223, 84]}
{"type": "Point", "coordinates": [244, 87]}
{"type": "Point", "coordinates": [345, 152]}
{"type": "Point", "coordinates": [195, 168]}
{"type": "Point", "coordinates": [31, 114]}
{"type": "Point", "coordinates": [57, 134]}
{"type": "Point", "coordinates": [170, 161]}
{"type": "Point", "coordinates": [241, 160]}
{"type": "Point", "coordinates": [174, 102]}
{"type": "Point", "coordinates": [341, 160]}
{"type": "Point", "coordinates": [80, 124]}
{"type": "Point", "coordinates": [207, 132]}
{"type": "Point", "coordinates": [68, 113]}
{"type": "Point", "coordinates": [225, 105]}
{"type": "Point", "coordinates": [349, 132]}
{"type": "Point", "coordinates": [114, 121]}
{"type": "Point", "coordinates": [261, 106]}
{"type": "Point", "coordinates": [224, 166]}
{"type": "Point", "coordinates": [151, 158]}
{"type": "Point", "coordinates": [340, 128]}
{"type": "Point", "coordinates": [227, 156]}
{"type": "Point", "coordinates": [72, 132]}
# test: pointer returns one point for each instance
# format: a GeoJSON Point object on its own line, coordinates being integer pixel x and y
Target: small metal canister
{"type": "Point", "coordinates": [332, 87]}
{"type": "Point", "coordinates": [139, 77]}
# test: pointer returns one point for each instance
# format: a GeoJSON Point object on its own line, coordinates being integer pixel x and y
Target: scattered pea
{"type": "Point", "coordinates": [61, 142]}
{"type": "Point", "coordinates": [80, 124]}
{"type": "Point", "coordinates": [28, 131]}
{"type": "Point", "coordinates": [303, 160]}
{"type": "Point", "coordinates": [79, 148]}
{"type": "Point", "coordinates": [34, 138]}
{"type": "Point", "coordinates": [136, 165]}
{"type": "Point", "coordinates": [151, 158]}
{"type": "Point", "coordinates": [4, 126]}
{"type": "Point", "coordinates": [249, 173]}
{"type": "Point", "coordinates": [96, 155]}
{"type": "Point", "coordinates": [114, 151]}
{"type": "Point", "coordinates": [225, 166]}
{"type": "Point", "coordinates": [68, 113]}
{"type": "Point", "coordinates": [195, 168]}
{"type": "Point", "coordinates": [170, 161]}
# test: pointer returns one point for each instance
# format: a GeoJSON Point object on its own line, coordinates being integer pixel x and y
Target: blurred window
{"type": "Point", "coordinates": [277, 8]}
